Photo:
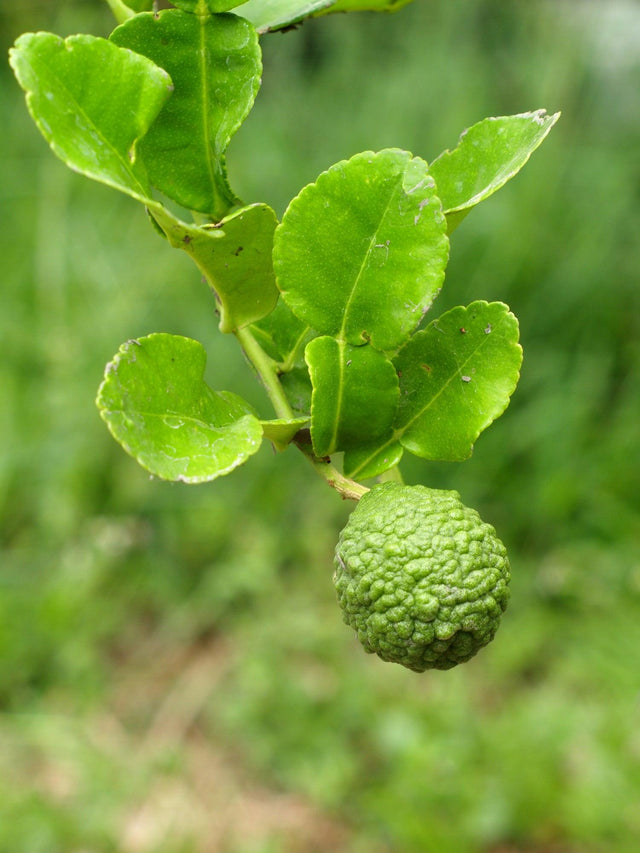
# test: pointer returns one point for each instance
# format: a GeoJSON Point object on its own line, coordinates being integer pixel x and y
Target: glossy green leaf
{"type": "Point", "coordinates": [235, 256]}
{"type": "Point", "coordinates": [361, 253]}
{"type": "Point", "coordinates": [93, 102]}
{"type": "Point", "coordinates": [488, 155]}
{"type": "Point", "coordinates": [281, 431]}
{"type": "Point", "coordinates": [366, 6]}
{"type": "Point", "coordinates": [456, 377]}
{"type": "Point", "coordinates": [205, 7]}
{"type": "Point", "coordinates": [372, 460]}
{"type": "Point", "coordinates": [215, 64]}
{"type": "Point", "coordinates": [355, 394]}
{"type": "Point", "coordinates": [266, 15]}
{"type": "Point", "coordinates": [159, 408]}
{"type": "Point", "coordinates": [283, 337]}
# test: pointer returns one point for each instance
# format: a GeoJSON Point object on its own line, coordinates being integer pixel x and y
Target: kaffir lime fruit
{"type": "Point", "coordinates": [420, 577]}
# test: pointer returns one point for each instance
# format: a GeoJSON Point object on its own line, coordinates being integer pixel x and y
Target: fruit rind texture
{"type": "Point", "coordinates": [420, 577]}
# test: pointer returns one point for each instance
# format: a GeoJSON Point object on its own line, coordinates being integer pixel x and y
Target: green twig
{"type": "Point", "coordinates": [267, 370]}
{"type": "Point", "coordinates": [349, 489]}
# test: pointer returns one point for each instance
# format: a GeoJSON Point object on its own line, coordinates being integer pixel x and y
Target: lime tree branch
{"type": "Point", "coordinates": [267, 370]}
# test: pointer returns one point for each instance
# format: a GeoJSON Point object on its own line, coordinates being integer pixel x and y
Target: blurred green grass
{"type": "Point", "coordinates": [174, 674]}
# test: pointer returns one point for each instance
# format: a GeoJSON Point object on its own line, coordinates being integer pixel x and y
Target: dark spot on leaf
{"type": "Point", "coordinates": [186, 239]}
{"type": "Point", "coordinates": [426, 368]}
{"type": "Point", "coordinates": [238, 250]}
{"type": "Point", "coordinates": [463, 330]}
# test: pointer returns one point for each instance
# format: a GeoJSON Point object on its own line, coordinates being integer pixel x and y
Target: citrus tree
{"type": "Point", "coordinates": [332, 306]}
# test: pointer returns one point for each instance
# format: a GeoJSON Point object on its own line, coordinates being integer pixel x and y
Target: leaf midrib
{"type": "Point", "coordinates": [460, 366]}
{"type": "Point", "coordinates": [204, 88]}
{"type": "Point", "coordinates": [367, 255]}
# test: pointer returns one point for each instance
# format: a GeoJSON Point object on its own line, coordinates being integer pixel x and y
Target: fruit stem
{"type": "Point", "coordinates": [349, 489]}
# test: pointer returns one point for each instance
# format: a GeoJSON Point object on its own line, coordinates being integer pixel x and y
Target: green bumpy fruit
{"type": "Point", "coordinates": [420, 577]}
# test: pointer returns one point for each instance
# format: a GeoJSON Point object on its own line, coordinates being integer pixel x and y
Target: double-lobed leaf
{"type": "Point", "coordinates": [215, 64]}
{"type": "Point", "coordinates": [159, 408]}
{"type": "Point", "coordinates": [488, 155]}
{"type": "Point", "coordinates": [93, 102]}
{"type": "Point", "coordinates": [361, 253]}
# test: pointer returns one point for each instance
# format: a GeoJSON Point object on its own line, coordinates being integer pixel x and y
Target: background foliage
{"type": "Point", "coordinates": [174, 674]}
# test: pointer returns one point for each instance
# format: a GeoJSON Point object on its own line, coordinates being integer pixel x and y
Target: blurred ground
{"type": "Point", "coordinates": [174, 673]}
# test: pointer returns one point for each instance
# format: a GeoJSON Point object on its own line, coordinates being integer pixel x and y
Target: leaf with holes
{"type": "Point", "coordinates": [93, 102]}
{"type": "Point", "coordinates": [456, 378]}
{"type": "Point", "coordinates": [159, 408]}
{"type": "Point", "coordinates": [215, 64]}
{"type": "Point", "coordinates": [361, 253]}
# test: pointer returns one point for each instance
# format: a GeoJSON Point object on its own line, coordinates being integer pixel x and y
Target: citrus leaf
{"type": "Point", "coordinates": [159, 408]}
{"type": "Point", "coordinates": [456, 377]}
{"type": "Point", "coordinates": [355, 394]}
{"type": "Point", "coordinates": [266, 15]}
{"type": "Point", "coordinates": [215, 64]}
{"type": "Point", "coordinates": [488, 155]}
{"type": "Point", "coordinates": [280, 432]}
{"type": "Point", "coordinates": [203, 7]}
{"type": "Point", "coordinates": [93, 102]}
{"type": "Point", "coordinates": [366, 6]}
{"type": "Point", "coordinates": [235, 258]}
{"type": "Point", "coordinates": [138, 5]}
{"type": "Point", "coordinates": [283, 337]}
{"type": "Point", "coordinates": [371, 461]}
{"type": "Point", "coordinates": [361, 253]}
